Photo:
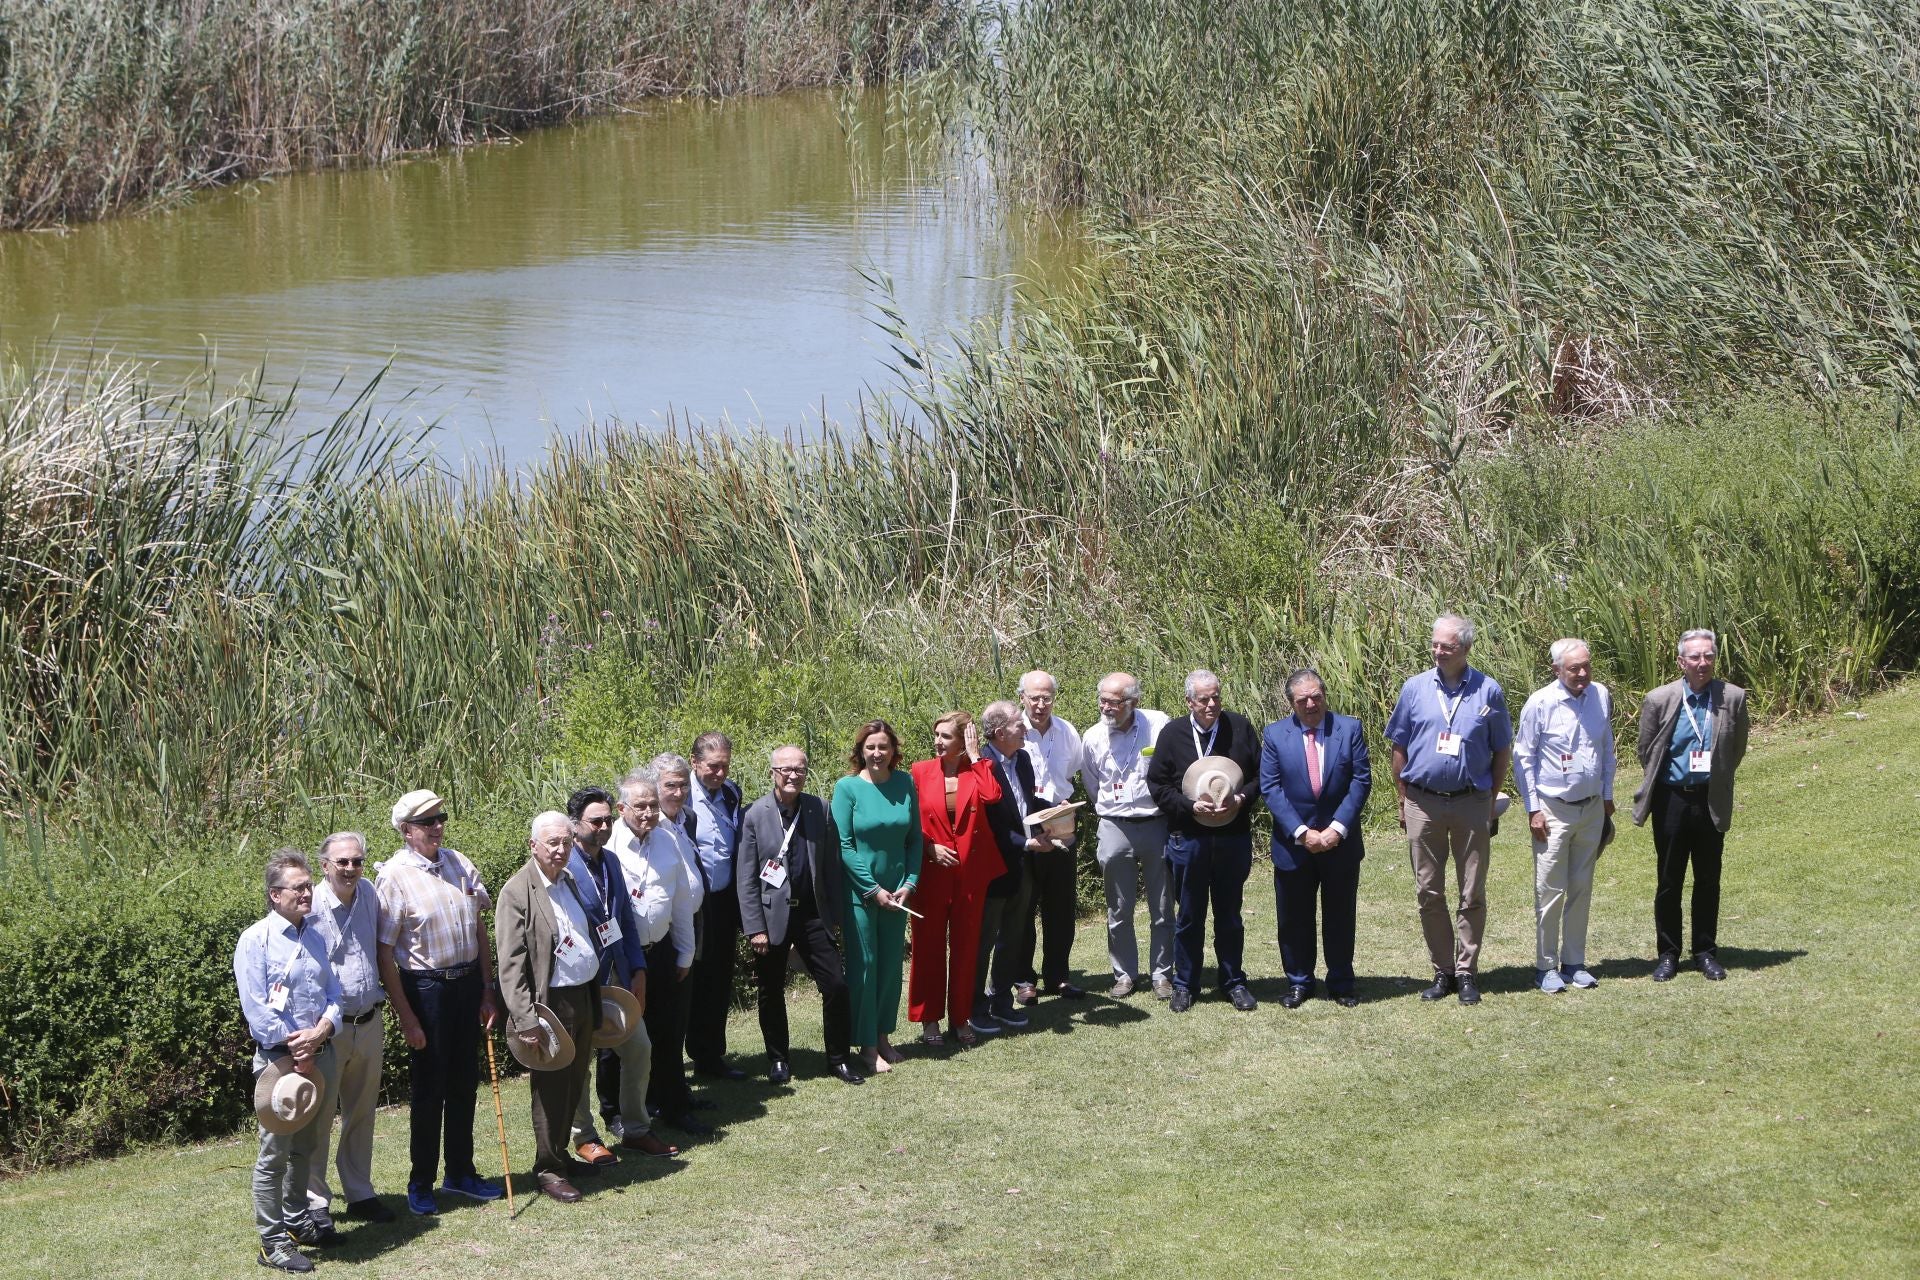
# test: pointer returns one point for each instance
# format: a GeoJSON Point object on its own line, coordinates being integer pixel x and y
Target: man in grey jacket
{"type": "Point", "coordinates": [1693, 734]}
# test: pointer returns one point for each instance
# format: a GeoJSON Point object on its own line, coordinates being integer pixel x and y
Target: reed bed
{"type": "Point", "coordinates": [106, 104]}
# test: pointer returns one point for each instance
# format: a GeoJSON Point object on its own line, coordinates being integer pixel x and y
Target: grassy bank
{"type": "Point", "coordinates": [108, 105]}
{"type": "Point", "coordinates": [1760, 1127]}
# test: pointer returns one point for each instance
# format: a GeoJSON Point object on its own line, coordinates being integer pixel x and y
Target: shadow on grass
{"type": "Point", "coordinates": [1370, 988]}
{"type": "Point", "coordinates": [1735, 959]}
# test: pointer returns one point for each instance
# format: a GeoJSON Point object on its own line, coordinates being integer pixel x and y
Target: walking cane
{"type": "Point", "coordinates": [500, 1115]}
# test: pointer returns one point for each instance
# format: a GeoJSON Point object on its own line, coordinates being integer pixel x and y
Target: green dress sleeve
{"type": "Point", "coordinates": [856, 861]}
{"type": "Point", "coordinates": [914, 843]}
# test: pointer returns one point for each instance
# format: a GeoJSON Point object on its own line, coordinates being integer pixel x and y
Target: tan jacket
{"type": "Point", "coordinates": [1657, 717]}
{"type": "Point", "coordinates": [523, 931]}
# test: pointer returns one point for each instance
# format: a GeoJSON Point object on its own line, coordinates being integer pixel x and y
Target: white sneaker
{"type": "Point", "coordinates": [1551, 982]}
{"type": "Point", "coordinates": [1579, 977]}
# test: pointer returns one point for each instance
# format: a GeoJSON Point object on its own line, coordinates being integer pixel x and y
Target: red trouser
{"type": "Point", "coordinates": [946, 944]}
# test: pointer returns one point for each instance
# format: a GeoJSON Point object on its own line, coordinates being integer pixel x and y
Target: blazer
{"type": "Point", "coordinates": [523, 931]}
{"type": "Point", "coordinates": [627, 956]}
{"type": "Point", "coordinates": [971, 836]}
{"type": "Point", "coordinates": [1003, 816]}
{"type": "Point", "coordinates": [1174, 750]}
{"type": "Point", "coordinates": [763, 908]}
{"type": "Point", "coordinates": [1346, 779]}
{"type": "Point", "coordinates": [1657, 716]}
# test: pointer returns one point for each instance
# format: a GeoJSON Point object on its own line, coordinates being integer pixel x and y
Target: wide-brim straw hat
{"type": "Point", "coordinates": [555, 1049]}
{"type": "Point", "coordinates": [415, 805]}
{"type": "Point", "coordinates": [284, 1100]}
{"type": "Point", "coordinates": [1056, 823]}
{"type": "Point", "coordinates": [1216, 777]}
{"type": "Point", "coordinates": [619, 1017]}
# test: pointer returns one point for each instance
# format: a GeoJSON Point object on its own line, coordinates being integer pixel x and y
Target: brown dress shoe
{"type": "Point", "coordinates": [596, 1153]}
{"type": "Point", "coordinates": [648, 1145]}
{"type": "Point", "coordinates": [559, 1188]}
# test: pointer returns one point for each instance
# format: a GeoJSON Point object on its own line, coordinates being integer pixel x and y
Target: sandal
{"type": "Point", "coordinates": [966, 1035]}
{"type": "Point", "coordinates": [933, 1039]}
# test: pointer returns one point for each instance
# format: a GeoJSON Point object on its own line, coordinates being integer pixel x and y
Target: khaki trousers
{"type": "Point", "coordinates": [1563, 866]}
{"type": "Point", "coordinates": [358, 1049]}
{"type": "Point", "coordinates": [1440, 828]}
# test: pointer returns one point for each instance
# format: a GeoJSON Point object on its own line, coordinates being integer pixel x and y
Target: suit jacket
{"type": "Point", "coordinates": [1174, 751]}
{"type": "Point", "coordinates": [523, 931]}
{"type": "Point", "coordinates": [968, 833]}
{"type": "Point", "coordinates": [763, 908]}
{"type": "Point", "coordinates": [1657, 716]}
{"type": "Point", "coordinates": [1346, 778]}
{"type": "Point", "coordinates": [626, 956]}
{"type": "Point", "coordinates": [1003, 815]}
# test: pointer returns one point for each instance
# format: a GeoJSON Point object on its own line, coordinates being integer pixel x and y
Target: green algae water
{"type": "Point", "coordinates": [711, 261]}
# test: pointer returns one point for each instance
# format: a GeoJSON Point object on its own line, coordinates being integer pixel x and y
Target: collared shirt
{"type": "Point", "coordinates": [1476, 709]}
{"type": "Point", "coordinates": [575, 962]}
{"type": "Point", "coordinates": [430, 911]}
{"type": "Point", "coordinates": [658, 886]}
{"type": "Point", "coordinates": [675, 830]}
{"type": "Point", "coordinates": [274, 951]}
{"type": "Point", "coordinates": [351, 932]}
{"type": "Point", "coordinates": [1057, 755]}
{"type": "Point", "coordinates": [719, 832]}
{"type": "Point", "coordinates": [1692, 731]}
{"type": "Point", "coordinates": [1116, 771]}
{"type": "Point", "coordinates": [1013, 790]}
{"type": "Point", "coordinates": [1564, 747]}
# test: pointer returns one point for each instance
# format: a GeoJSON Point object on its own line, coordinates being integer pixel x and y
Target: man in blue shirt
{"type": "Point", "coordinates": [291, 1000]}
{"type": "Point", "coordinates": [717, 808]}
{"type": "Point", "coordinates": [1452, 742]}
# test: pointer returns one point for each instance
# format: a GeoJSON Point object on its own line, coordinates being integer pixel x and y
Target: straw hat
{"type": "Point", "coordinates": [414, 805]}
{"type": "Point", "coordinates": [1056, 823]}
{"type": "Point", "coordinates": [619, 1017]}
{"type": "Point", "coordinates": [284, 1100]}
{"type": "Point", "coordinates": [1216, 777]}
{"type": "Point", "coordinates": [555, 1049]}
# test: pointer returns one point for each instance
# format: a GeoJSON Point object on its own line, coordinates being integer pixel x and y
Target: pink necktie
{"type": "Point", "coordinates": [1313, 765]}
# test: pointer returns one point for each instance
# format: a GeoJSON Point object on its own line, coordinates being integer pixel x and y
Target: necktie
{"type": "Point", "coordinates": [1313, 765]}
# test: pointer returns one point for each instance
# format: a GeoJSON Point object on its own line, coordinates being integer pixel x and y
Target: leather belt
{"type": "Point", "coordinates": [442, 975]}
{"type": "Point", "coordinates": [1444, 795]}
{"type": "Point", "coordinates": [358, 1019]}
{"type": "Point", "coordinates": [1130, 817]}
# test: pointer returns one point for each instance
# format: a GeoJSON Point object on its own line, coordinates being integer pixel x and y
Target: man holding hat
{"type": "Point", "coordinates": [1201, 777]}
{"type": "Point", "coordinates": [291, 1000]}
{"type": "Point", "coordinates": [439, 979]}
{"type": "Point", "coordinates": [550, 958]}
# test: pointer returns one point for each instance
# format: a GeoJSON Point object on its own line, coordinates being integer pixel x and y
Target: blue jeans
{"type": "Point", "coordinates": [1207, 867]}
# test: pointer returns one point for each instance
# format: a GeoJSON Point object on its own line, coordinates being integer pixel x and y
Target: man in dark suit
{"type": "Point", "coordinates": [1693, 735]}
{"type": "Point", "coordinates": [787, 874]}
{"type": "Point", "coordinates": [1315, 776]}
{"type": "Point", "coordinates": [714, 807]}
{"type": "Point", "coordinates": [1010, 895]}
{"type": "Point", "coordinates": [1209, 835]}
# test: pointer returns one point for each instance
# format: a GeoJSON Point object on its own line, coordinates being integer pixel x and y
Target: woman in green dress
{"type": "Point", "coordinates": [878, 817]}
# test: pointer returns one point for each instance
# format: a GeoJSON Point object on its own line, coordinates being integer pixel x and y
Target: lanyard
{"type": "Point", "coordinates": [1699, 731]}
{"type": "Point", "coordinates": [1447, 711]}
{"type": "Point", "coordinates": [1212, 733]}
{"type": "Point", "coordinates": [593, 934]}
{"type": "Point", "coordinates": [793, 825]}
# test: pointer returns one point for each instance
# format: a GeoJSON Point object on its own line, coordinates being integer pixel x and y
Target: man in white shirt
{"type": "Point", "coordinates": [1132, 844]}
{"type": "Point", "coordinates": [1053, 748]}
{"type": "Point", "coordinates": [1563, 765]}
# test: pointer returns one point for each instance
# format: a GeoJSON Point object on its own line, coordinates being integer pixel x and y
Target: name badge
{"type": "Point", "coordinates": [1447, 744]}
{"type": "Point", "coordinates": [568, 944]}
{"type": "Point", "coordinates": [774, 874]}
{"type": "Point", "coordinates": [1700, 762]}
{"type": "Point", "coordinates": [609, 931]}
{"type": "Point", "coordinates": [277, 997]}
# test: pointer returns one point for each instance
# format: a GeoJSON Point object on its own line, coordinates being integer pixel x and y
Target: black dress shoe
{"type": "Point", "coordinates": [718, 1071]}
{"type": "Point", "coordinates": [1665, 968]}
{"type": "Point", "coordinates": [369, 1210]}
{"type": "Point", "coordinates": [1710, 966]}
{"type": "Point", "coordinates": [778, 1072]}
{"type": "Point", "coordinates": [1243, 999]}
{"type": "Point", "coordinates": [1068, 991]}
{"type": "Point", "coordinates": [1346, 1000]}
{"type": "Point", "coordinates": [1181, 1000]}
{"type": "Point", "coordinates": [1295, 997]}
{"type": "Point", "coordinates": [1442, 986]}
{"type": "Point", "coordinates": [1469, 990]}
{"type": "Point", "coordinates": [844, 1070]}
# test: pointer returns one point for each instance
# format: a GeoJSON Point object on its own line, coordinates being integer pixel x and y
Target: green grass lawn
{"type": "Point", "coordinates": [1759, 1127]}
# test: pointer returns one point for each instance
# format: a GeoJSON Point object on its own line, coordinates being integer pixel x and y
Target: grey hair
{"type": "Point", "coordinates": [1558, 651]}
{"type": "Point", "coordinates": [547, 818]}
{"type": "Point", "coordinates": [709, 742]}
{"type": "Point", "coordinates": [1131, 690]}
{"type": "Point", "coordinates": [787, 746]}
{"type": "Point", "coordinates": [1299, 677]}
{"type": "Point", "coordinates": [1199, 676]}
{"type": "Point", "coordinates": [639, 780]}
{"type": "Point", "coordinates": [1462, 628]}
{"type": "Point", "coordinates": [281, 861]}
{"type": "Point", "coordinates": [1033, 676]}
{"type": "Point", "coordinates": [339, 836]}
{"type": "Point", "coordinates": [997, 716]}
{"type": "Point", "coordinates": [1698, 633]}
{"type": "Point", "coordinates": [667, 762]}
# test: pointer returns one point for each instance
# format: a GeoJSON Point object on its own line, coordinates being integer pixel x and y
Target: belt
{"type": "Point", "coordinates": [442, 975]}
{"type": "Point", "coordinates": [1130, 817]}
{"type": "Point", "coordinates": [357, 1019]}
{"type": "Point", "coordinates": [1563, 800]}
{"type": "Point", "coordinates": [1444, 795]}
{"type": "Point", "coordinates": [1694, 790]}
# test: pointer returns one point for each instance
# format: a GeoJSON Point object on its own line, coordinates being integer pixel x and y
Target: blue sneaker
{"type": "Point", "coordinates": [473, 1187]}
{"type": "Point", "coordinates": [1551, 982]}
{"type": "Point", "coordinates": [1577, 976]}
{"type": "Point", "coordinates": [420, 1200]}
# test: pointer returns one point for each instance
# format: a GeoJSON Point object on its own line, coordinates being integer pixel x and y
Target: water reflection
{"type": "Point", "coordinates": [703, 257]}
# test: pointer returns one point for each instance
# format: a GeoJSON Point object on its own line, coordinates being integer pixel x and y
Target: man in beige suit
{"type": "Point", "coordinates": [1693, 734]}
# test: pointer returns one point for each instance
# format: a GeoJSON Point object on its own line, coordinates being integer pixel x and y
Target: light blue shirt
{"type": "Point", "coordinates": [352, 935]}
{"type": "Point", "coordinates": [1564, 747]}
{"type": "Point", "coordinates": [1690, 733]}
{"type": "Point", "coordinates": [273, 950]}
{"type": "Point", "coordinates": [718, 834]}
{"type": "Point", "coordinates": [1476, 709]}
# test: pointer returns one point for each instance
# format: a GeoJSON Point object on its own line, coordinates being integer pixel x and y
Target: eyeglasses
{"type": "Point", "coordinates": [348, 862]}
{"type": "Point", "coordinates": [432, 820]}
{"type": "Point", "coordinates": [791, 770]}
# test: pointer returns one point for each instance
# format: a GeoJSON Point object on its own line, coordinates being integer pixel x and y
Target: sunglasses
{"type": "Point", "coordinates": [431, 820]}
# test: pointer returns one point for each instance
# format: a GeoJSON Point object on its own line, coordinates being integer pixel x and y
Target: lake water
{"type": "Point", "coordinates": [697, 258]}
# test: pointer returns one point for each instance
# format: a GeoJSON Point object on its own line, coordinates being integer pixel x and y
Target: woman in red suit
{"type": "Point", "coordinates": [955, 788]}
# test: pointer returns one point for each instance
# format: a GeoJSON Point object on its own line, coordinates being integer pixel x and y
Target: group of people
{"type": "Point", "coordinates": [975, 850]}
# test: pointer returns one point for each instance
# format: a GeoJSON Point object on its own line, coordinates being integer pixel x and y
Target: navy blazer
{"type": "Point", "coordinates": [1003, 815]}
{"type": "Point", "coordinates": [627, 955]}
{"type": "Point", "coordinates": [1345, 781]}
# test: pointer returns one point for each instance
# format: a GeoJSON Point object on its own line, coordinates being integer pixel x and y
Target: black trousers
{"type": "Point", "coordinates": [442, 1077]}
{"type": "Point", "coordinates": [1209, 868]}
{"type": "Point", "coordinates": [822, 960]}
{"type": "Point", "coordinates": [667, 1026]}
{"type": "Point", "coordinates": [1330, 882]}
{"type": "Point", "coordinates": [1683, 832]}
{"type": "Point", "coordinates": [1056, 898]}
{"type": "Point", "coordinates": [710, 981]}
